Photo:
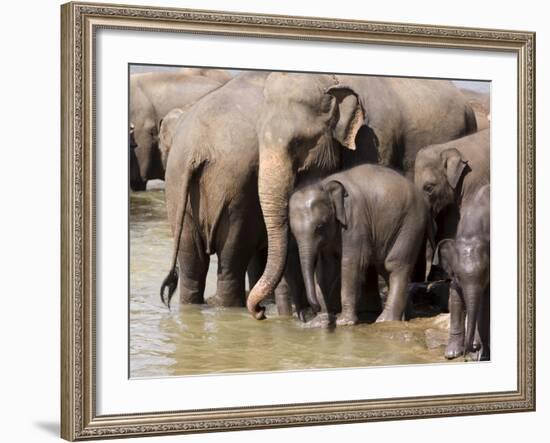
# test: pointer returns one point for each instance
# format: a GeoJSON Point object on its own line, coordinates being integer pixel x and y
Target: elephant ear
{"type": "Point", "coordinates": [349, 115]}
{"type": "Point", "coordinates": [454, 165]}
{"type": "Point", "coordinates": [167, 126]}
{"type": "Point", "coordinates": [337, 194]}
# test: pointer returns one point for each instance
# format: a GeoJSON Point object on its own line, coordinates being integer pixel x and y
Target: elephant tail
{"type": "Point", "coordinates": [171, 280]}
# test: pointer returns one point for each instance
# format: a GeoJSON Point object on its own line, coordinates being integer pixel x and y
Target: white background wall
{"type": "Point", "coordinates": [29, 220]}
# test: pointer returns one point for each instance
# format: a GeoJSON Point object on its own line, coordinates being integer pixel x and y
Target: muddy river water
{"type": "Point", "coordinates": [195, 339]}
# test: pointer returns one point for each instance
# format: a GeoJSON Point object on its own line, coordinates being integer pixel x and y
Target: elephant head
{"type": "Point", "coordinates": [438, 173]}
{"type": "Point", "coordinates": [316, 214]}
{"type": "Point", "coordinates": [144, 153]}
{"type": "Point", "coordinates": [305, 122]}
{"type": "Point", "coordinates": [166, 134]}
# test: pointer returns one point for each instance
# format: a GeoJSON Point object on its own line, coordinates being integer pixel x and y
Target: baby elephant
{"type": "Point", "coordinates": [467, 260]}
{"type": "Point", "coordinates": [365, 216]}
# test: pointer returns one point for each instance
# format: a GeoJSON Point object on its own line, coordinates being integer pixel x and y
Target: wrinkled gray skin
{"type": "Point", "coordinates": [366, 216]}
{"type": "Point", "coordinates": [467, 260]}
{"type": "Point", "coordinates": [212, 193]}
{"type": "Point", "coordinates": [314, 125]}
{"type": "Point", "coordinates": [450, 175]}
{"type": "Point", "coordinates": [152, 96]}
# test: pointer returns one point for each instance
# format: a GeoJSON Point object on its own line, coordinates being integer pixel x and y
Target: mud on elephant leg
{"type": "Point", "coordinates": [193, 266]}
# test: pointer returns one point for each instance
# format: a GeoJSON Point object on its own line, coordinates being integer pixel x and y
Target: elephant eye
{"type": "Point", "coordinates": [319, 227]}
{"type": "Point", "coordinates": [297, 142]}
{"type": "Point", "coordinates": [429, 187]}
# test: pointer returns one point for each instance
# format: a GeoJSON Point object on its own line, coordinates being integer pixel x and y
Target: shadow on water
{"type": "Point", "coordinates": [200, 339]}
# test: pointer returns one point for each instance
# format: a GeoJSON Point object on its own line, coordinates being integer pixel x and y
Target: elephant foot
{"type": "Point", "coordinates": [455, 347]}
{"type": "Point", "coordinates": [190, 294]}
{"type": "Point", "coordinates": [388, 316]}
{"type": "Point", "coordinates": [319, 321]}
{"type": "Point", "coordinates": [476, 345]}
{"type": "Point", "coordinates": [473, 356]}
{"type": "Point", "coordinates": [347, 320]}
{"type": "Point", "coordinates": [302, 316]}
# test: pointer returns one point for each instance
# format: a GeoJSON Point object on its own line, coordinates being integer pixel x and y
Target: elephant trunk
{"type": "Point", "coordinates": [308, 259]}
{"type": "Point", "coordinates": [275, 183]}
{"type": "Point", "coordinates": [472, 300]}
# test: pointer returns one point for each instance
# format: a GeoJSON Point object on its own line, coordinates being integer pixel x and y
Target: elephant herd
{"type": "Point", "coordinates": [315, 185]}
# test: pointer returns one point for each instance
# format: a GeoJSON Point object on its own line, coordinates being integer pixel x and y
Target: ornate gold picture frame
{"type": "Point", "coordinates": [80, 23]}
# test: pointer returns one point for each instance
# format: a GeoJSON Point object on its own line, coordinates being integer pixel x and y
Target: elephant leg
{"type": "Point", "coordinates": [282, 298]}
{"type": "Point", "coordinates": [328, 277]}
{"type": "Point", "coordinates": [371, 303]}
{"type": "Point", "coordinates": [193, 266]}
{"type": "Point", "coordinates": [290, 289]}
{"type": "Point", "coordinates": [230, 289]}
{"type": "Point", "coordinates": [234, 254]}
{"type": "Point", "coordinates": [295, 281]}
{"type": "Point", "coordinates": [353, 276]}
{"type": "Point", "coordinates": [455, 345]}
{"type": "Point", "coordinates": [485, 326]}
{"type": "Point", "coordinates": [396, 302]}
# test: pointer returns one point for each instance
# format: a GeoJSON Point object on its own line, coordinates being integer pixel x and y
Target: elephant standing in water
{"type": "Point", "coordinates": [212, 193]}
{"type": "Point", "coordinates": [152, 96]}
{"type": "Point", "coordinates": [451, 176]}
{"type": "Point", "coordinates": [314, 125]}
{"type": "Point", "coordinates": [367, 216]}
{"type": "Point", "coordinates": [467, 260]}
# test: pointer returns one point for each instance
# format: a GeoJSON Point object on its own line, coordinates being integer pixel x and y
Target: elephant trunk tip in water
{"type": "Point", "coordinates": [256, 310]}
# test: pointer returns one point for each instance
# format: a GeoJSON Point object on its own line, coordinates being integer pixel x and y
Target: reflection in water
{"type": "Point", "coordinates": [194, 339]}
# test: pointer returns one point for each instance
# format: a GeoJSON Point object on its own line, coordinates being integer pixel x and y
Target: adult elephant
{"type": "Point", "coordinates": [310, 125]}
{"type": "Point", "coordinates": [212, 193]}
{"type": "Point", "coordinates": [152, 96]}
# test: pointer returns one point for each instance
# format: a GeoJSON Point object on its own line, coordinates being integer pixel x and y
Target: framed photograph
{"type": "Point", "coordinates": [275, 221]}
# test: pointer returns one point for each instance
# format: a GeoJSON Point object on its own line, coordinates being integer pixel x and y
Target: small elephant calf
{"type": "Point", "coordinates": [365, 216]}
{"type": "Point", "coordinates": [467, 260]}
